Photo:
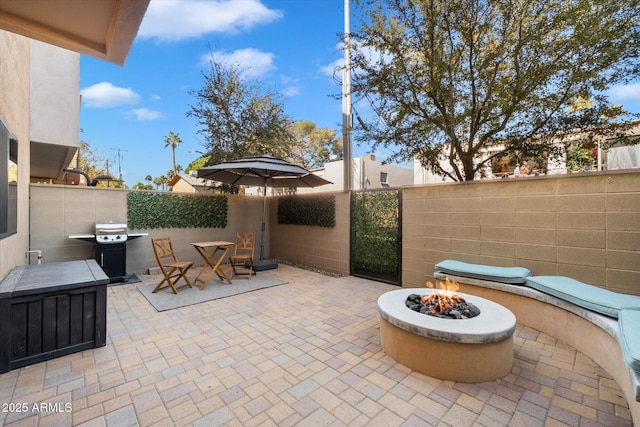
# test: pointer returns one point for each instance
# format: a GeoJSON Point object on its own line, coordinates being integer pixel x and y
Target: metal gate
{"type": "Point", "coordinates": [376, 235]}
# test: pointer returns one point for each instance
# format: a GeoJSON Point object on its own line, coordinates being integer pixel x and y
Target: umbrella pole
{"type": "Point", "coordinates": [264, 214]}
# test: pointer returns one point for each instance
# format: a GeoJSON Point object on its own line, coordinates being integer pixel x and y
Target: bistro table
{"type": "Point", "coordinates": [213, 254]}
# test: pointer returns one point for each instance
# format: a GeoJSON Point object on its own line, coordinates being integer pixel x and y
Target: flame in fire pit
{"type": "Point", "coordinates": [444, 303]}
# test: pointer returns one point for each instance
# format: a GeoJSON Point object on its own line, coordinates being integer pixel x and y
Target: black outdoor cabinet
{"type": "Point", "coordinates": [112, 257]}
{"type": "Point", "coordinates": [51, 310]}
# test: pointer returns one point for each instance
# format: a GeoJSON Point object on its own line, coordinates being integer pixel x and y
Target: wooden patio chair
{"type": "Point", "coordinates": [242, 257]}
{"type": "Point", "coordinates": [172, 269]}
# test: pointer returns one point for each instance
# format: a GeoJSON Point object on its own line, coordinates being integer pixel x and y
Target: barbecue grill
{"type": "Point", "coordinates": [110, 246]}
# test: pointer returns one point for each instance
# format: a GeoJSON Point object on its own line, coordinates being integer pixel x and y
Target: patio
{"type": "Point", "coordinates": [303, 353]}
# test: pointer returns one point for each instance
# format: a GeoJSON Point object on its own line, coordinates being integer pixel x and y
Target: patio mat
{"type": "Point", "coordinates": [164, 299]}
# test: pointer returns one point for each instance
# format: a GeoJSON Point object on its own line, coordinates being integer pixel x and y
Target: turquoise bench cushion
{"type": "Point", "coordinates": [509, 275]}
{"type": "Point", "coordinates": [629, 325]}
{"type": "Point", "coordinates": [587, 296]}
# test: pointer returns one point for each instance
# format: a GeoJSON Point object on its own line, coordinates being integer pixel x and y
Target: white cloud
{"type": "Point", "coordinates": [173, 20]}
{"type": "Point", "coordinates": [334, 67]}
{"type": "Point", "coordinates": [104, 94]}
{"type": "Point", "coordinates": [252, 62]}
{"type": "Point", "coordinates": [628, 92]}
{"type": "Point", "coordinates": [144, 114]}
{"type": "Point", "coordinates": [290, 86]}
{"type": "Point", "coordinates": [291, 91]}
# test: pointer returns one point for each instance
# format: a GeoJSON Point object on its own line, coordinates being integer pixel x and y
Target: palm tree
{"type": "Point", "coordinates": [157, 182]}
{"type": "Point", "coordinates": [164, 181]}
{"type": "Point", "coordinates": [173, 140]}
{"type": "Point", "coordinates": [148, 178]}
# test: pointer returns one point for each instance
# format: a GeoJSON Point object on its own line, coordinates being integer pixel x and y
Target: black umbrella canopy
{"type": "Point", "coordinates": [262, 171]}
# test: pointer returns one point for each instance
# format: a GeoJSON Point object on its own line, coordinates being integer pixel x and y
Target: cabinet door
{"type": "Point", "coordinates": [112, 259]}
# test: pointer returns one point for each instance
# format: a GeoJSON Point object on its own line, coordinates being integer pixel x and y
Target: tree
{"type": "Point", "coordinates": [87, 162]}
{"type": "Point", "coordinates": [172, 140]}
{"type": "Point", "coordinates": [459, 83]}
{"type": "Point", "coordinates": [164, 181]}
{"type": "Point", "coordinates": [579, 159]}
{"type": "Point", "coordinates": [314, 147]}
{"type": "Point", "coordinates": [141, 186]}
{"type": "Point", "coordinates": [239, 118]}
{"type": "Point", "coordinates": [171, 174]}
{"type": "Point", "coordinates": [198, 163]}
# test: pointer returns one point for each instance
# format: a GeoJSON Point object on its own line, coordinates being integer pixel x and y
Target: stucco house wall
{"type": "Point", "coordinates": [365, 175]}
{"type": "Point", "coordinates": [14, 112]}
{"type": "Point", "coordinates": [55, 95]}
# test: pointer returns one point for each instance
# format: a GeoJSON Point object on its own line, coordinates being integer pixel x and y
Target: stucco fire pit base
{"type": "Point", "coordinates": [466, 350]}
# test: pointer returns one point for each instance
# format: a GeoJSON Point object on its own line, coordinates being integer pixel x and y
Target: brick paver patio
{"type": "Point", "coordinates": [307, 354]}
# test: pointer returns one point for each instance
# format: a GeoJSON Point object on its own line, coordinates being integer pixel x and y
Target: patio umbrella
{"type": "Point", "coordinates": [263, 171]}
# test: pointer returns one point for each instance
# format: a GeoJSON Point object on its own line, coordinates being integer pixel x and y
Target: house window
{"type": "Point", "coordinates": [384, 178]}
{"type": "Point", "coordinates": [8, 182]}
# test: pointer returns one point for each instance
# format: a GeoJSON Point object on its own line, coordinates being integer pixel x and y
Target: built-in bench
{"type": "Point", "coordinates": [602, 324]}
{"type": "Point", "coordinates": [51, 310]}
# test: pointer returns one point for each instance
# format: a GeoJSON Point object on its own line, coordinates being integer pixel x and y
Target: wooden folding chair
{"type": "Point", "coordinates": [172, 269]}
{"type": "Point", "coordinates": [243, 255]}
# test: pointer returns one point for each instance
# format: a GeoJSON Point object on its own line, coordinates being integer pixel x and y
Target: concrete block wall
{"type": "Point", "coordinates": [320, 247]}
{"type": "Point", "coordinates": [58, 211]}
{"type": "Point", "coordinates": [585, 226]}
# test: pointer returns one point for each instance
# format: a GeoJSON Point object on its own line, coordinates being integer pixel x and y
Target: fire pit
{"type": "Point", "coordinates": [474, 349]}
{"type": "Point", "coordinates": [446, 304]}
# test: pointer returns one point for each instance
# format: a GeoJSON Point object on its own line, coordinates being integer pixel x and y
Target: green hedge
{"type": "Point", "coordinates": [374, 222]}
{"type": "Point", "coordinates": [317, 211]}
{"type": "Point", "coordinates": [162, 210]}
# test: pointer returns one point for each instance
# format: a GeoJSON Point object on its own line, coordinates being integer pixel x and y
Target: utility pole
{"type": "Point", "coordinates": [119, 159]}
{"type": "Point", "coordinates": [108, 182]}
{"type": "Point", "coordinates": [347, 119]}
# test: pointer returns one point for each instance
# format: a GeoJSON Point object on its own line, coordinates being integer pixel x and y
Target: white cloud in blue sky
{"type": "Point", "coordinates": [251, 62]}
{"type": "Point", "coordinates": [105, 94]}
{"type": "Point", "coordinates": [290, 86]}
{"type": "Point", "coordinates": [332, 68]}
{"type": "Point", "coordinates": [147, 115]}
{"type": "Point", "coordinates": [290, 91]}
{"type": "Point", "coordinates": [172, 20]}
{"type": "Point", "coordinates": [622, 92]}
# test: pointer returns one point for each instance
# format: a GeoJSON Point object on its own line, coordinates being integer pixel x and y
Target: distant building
{"type": "Point", "coordinates": [190, 183]}
{"type": "Point", "coordinates": [614, 158]}
{"type": "Point", "coordinates": [366, 174]}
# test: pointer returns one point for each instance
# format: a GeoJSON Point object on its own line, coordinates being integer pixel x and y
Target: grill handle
{"type": "Point", "coordinates": [111, 231]}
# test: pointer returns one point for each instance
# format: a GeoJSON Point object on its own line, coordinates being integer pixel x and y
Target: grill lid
{"type": "Point", "coordinates": [111, 231]}
{"type": "Point", "coordinates": [111, 227]}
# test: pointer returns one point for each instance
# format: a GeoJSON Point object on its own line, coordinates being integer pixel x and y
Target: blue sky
{"type": "Point", "coordinates": [291, 46]}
